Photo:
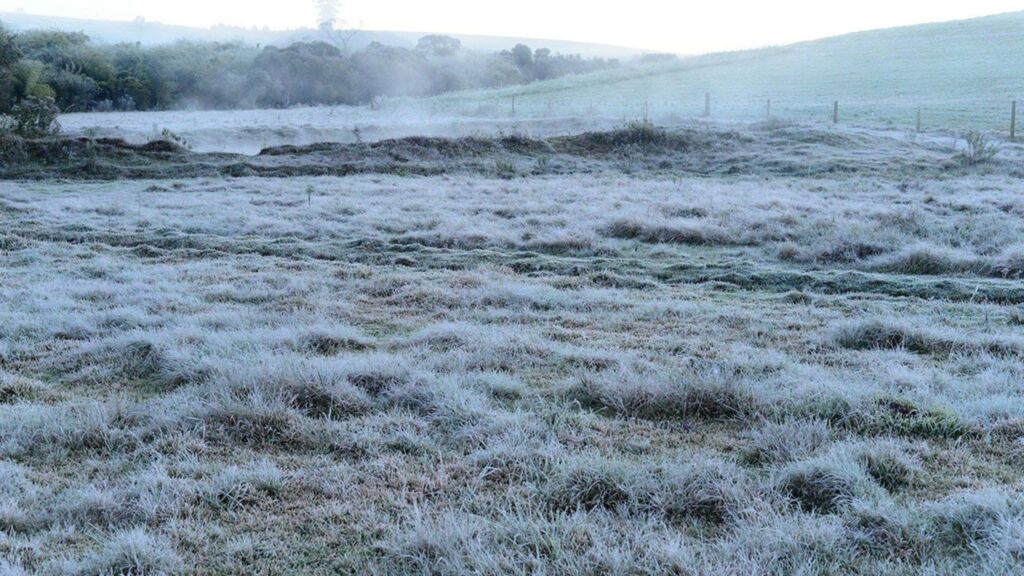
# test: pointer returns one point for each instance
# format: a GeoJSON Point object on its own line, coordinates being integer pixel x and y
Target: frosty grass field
{"type": "Point", "coordinates": [585, 365]}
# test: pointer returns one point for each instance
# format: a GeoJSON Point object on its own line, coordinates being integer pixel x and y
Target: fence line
{"type": "Point", "coordinates": [981, 114]}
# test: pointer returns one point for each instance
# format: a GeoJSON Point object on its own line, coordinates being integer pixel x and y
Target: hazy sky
{"type": "Point", "coordinates": [671, 25]}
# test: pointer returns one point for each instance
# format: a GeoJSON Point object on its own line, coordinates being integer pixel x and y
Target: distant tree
{"type": "Point", "coordinates": [303, 73]}
{"type": "Point", "coordinates": [26, 81]}
{"type": "Point", "coordinates": [657, 58]}
{"type": "Point", "coordinates": [335, 30]}
{"type": "Point", "coordinates": [10, 54]}
{"type": "Point", "coordinates": [389, 71]}
{"type": "Point", "coordinates": [542, 64]}
{"type": "Point", "coordinates": [50, 44]}
{"type": "Point", "coordinates": [209, 74]}
{"type": "Point", "coordinates": [522, 56]}
{"type": "Point", "coordinates": [327, 13]}
{"type": "Point", "coordinates": [439, 46]}
{"type": "Point", "coordinates": [72, 91]}
{"type": "Point", "coordinates": [77, 74]}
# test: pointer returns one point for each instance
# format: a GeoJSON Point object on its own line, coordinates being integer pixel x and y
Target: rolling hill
{"type": "Point", "coordinates": [154, 33]}
{"type": "Point", "coordinates": [959, 74]}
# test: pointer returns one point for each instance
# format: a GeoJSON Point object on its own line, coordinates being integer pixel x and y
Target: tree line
{"type": "Point", "coordinates": [70, 72]}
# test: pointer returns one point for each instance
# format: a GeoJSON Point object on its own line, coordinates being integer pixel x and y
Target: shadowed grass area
{"type": "Point", "coordinates": [882, 335]}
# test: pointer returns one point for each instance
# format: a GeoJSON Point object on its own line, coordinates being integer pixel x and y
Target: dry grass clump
{"type": "Point", "coordinates": [1010, 263]}
{"type": "Point", "coordinates": [499, 385]}
{"type": "Point", "coordinates": [460, 542]}
{"type": "Point", "coordinates": [860, 470]}
{"type": "Point", "coordinates": [928, 260]}
{"type": "Point", "coordinates": [332, 340]}
{"type": "Point", "coordinates": [705, 392]}
{"type": "Point", "coordinates": [784, 442]}
{"type": "Point", "coordinates": [144, 498]}
{"type": "Point", "coordinates": [882, 528]}
{"type": "Point", "coordinates": [704, 490]}
{"type": "Point", "coordinates": [238, 487]}
{"type": "Point", "coordinates": [1016, 317]}
{"type": "Point", "coordinates": [526, 453]}
{"type": "Point", "coordinates": [253, 423]}
{"type": "Point", "coordinates": [131, 358]}
{"type": "Point", "coordinates": [639, 133]}
{"type": "Point", "coordinates": [17, 492]}
{"type": "Point", "coordinates": [469, 348]}
{"type": "Point", "coordinates": [448, 404]}
{"type": "Point", "coordinates": [901, 417]}
{"type": "Point", "coordinates": [595, 483]}
{"type": "Point", "coordinates": [978, 150]}
{"type": "Point", "coordinates": [798, 297]}
{"type": "Point", "coordinates": [54, 432]}
{"type": "Point", "coordinates": [376, 374]}
{"type": "Point", "coordinates": [974, 522]}
{"type": "Point", "coordinates": [826, 484]}
{"type": "Point", "coordinates": [16, 389]}
{"type": "Point", "coordinates": [697, 232]}
{"type": "Point", "coordinates": [712, 491]}
{"type": "Point", "coordinates": [877, 334]}
{"type": "Point", "coordinates": [319, 390]}
{"type": "Point", "coordinates": [322, 397]}
{"type": "Point", "coordinates": [250, 411]}
{"type": "Point", "coordinates": [888, 463]}
{"type": "Point", "coordinates": [132, 552]}
{"type": "Point", "coordinates": [848, 247]}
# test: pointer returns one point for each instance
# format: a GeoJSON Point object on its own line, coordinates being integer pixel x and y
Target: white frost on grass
{"type": "Point", "coordinates": [564, 373]}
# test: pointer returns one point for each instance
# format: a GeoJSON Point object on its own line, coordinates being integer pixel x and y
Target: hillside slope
{"type": "Point", "coordinates": [963, 73]}
{"type": "Point", "coordinates": [155, 33]}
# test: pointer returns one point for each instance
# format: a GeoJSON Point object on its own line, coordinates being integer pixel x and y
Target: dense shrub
{"type": "Point", "coordinates": [35, 117]}
{"type": "Point", "coordinates": [9, 56]}
{"type": "Point", "coordinates": [79, 75]}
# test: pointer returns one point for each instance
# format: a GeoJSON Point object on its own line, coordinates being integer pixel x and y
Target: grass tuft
{"type": "Point", "coordinates": [132, 552]}
{"type": "Point", "coordinates": [236, 487]}
{"type": "Point", "coordinates": [826, 484]}
{"type": "Point", "coordinates": [710, 392]}
{"type": "Point", "coordinates": [781, 443]}
{"type": "Point", "coordinates": [704, 490]}
{"type": "Point", "coordinates": [876, 334]}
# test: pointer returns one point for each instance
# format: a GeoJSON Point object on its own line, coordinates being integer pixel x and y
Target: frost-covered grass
{"type": "Point", "coordinates": [249, 131]}
{"type": "Point", "coordinates": [557, 374]}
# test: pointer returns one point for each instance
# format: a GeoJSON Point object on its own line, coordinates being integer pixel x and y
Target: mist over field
{"type": "Point", "coordinates": [335, 301]}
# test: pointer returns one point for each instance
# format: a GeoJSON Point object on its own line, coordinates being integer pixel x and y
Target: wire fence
{"type": "Point", "coordinates": [999, 117]}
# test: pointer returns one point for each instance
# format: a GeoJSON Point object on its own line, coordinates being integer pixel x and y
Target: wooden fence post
{"type": "Point", "coordinates": [919, 120]}
{"type": "Point", "coordinates": [1013, 122]}
{"type": "Point", "coordinates": [835, 112]}
{"type": "Point", "coordinates": [707, 104]}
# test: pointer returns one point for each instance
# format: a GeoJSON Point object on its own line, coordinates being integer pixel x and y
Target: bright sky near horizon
{"type": "Point", "coordinates": [676, 26]}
